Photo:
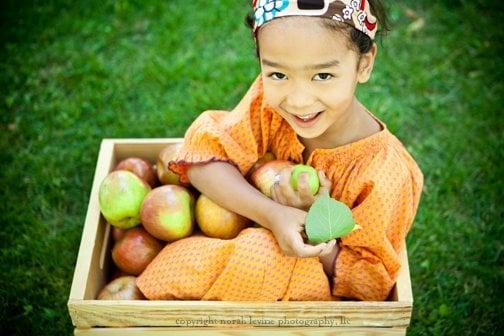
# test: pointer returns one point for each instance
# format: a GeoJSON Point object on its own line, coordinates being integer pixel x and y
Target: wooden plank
{"type": "Point", "coordinates": [144, 141]}
{"type": "Point", "coordinates": [343, 331]}
{"type": "Point", "coordinates": [402, 289]}
{"type": "Point", "coordinates": [403, 285]}
{"type": "Point", "coordinates": [89, 234]}
{"type": "Point", "coordinates": [90, 313]}
{"type": "Point", "coordinates": [145, 148]}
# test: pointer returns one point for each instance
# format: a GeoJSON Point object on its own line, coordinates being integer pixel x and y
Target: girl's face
{"type": "Point", "coordinates": [309, 72]}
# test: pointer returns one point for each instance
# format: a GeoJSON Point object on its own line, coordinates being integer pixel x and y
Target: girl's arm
{"type": "Point", "coordinates": [225, 185]}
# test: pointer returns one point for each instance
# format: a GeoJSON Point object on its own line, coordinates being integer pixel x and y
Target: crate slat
{"type": "Point", "coordinates": [155, 331]}
{"type": "Point", "coordinates": [90, 313]}
{"type": "Point", "coordinates": [83, 277]}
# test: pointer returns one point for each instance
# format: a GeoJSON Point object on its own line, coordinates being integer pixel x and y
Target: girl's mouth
{"type": "Point", "coordinates": [307, 120]}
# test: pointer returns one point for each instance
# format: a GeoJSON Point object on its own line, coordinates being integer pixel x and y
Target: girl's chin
{"type": "Point", "coordinates": [308, 133]}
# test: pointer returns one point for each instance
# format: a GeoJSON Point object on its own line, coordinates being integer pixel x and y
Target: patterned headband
{"type": "Point", "coordinates": [356, 13]}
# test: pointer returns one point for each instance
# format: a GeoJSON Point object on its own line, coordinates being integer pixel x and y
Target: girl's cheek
{"type": "Point", "coordinates": [272, 97]}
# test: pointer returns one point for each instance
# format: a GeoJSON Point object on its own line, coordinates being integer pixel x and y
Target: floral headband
{"type": "Point", "coordinates": [356, 13]}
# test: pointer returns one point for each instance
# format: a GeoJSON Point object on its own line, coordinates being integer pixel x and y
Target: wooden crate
{"type": "Point", "coordinates": [93, 317]}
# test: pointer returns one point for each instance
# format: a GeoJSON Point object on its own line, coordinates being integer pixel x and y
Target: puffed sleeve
{"type": "Point", "coordinates": [368, 262]}
{"type": "Point", "coordinates": [239, 137]}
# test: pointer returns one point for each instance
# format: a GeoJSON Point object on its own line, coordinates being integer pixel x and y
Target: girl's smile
{"type": "Point", "coordinates": [307, 120]}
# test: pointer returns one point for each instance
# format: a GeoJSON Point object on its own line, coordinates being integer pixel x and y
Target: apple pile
{"type": "Point", "coordinates": [148, 207]}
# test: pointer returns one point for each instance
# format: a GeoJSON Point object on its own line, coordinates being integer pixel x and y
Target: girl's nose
{"type": "Point", "coordinates": [299, 100]}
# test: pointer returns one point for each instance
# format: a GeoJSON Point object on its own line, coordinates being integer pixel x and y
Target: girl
{"type": "Point", "coordinates": [302, 108]}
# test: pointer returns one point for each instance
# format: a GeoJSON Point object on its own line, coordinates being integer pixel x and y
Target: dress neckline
{"type": "Point", "coordinates": [356, 148]}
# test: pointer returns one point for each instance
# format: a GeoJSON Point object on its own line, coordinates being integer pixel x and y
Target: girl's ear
{"type": "Point", "coordinates": [366, 64]}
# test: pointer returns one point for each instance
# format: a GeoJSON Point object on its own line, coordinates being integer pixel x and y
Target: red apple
{"type": "Point", "coordinates": [123, 288]}
{"type": "Point", "coordinates": [216, 221]}
{"type": "Point", "coordinates": [140, 167]}
{"type": "Point", "coordinates": [264, 177]}
{"type": "Point", "coordinates": [135, 250]}
{"type": "Point", "coordinates": [165, 175]}
{"type": "Point", "coordinates": [167, 212]}
{"type": "Point", "coordinates": [117, 233]}
{"type": "Point", "coordinates": [268, 156]}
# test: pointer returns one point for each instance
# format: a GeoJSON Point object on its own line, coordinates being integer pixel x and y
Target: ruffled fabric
{"type": "Point", "coordinates": [380, 181]}
{"type": "Point", "coordinates": [250, 267]}
{"type": "Point", "coordinates": [375, 176]}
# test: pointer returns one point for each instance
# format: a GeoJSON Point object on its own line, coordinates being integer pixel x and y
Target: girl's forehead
{"type": "Point", "coordinates": [299, 29]}
{"type": "Point", "coordinates": [292, 24]}
{"type": "Point", "coordinates": [304, 37]}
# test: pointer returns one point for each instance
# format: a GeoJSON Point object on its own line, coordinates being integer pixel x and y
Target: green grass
{"type": "Point", "coordinates": [72, 74]}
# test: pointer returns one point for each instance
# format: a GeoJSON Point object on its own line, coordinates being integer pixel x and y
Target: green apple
{"type": "Point", "coordinates": [120, 196]}
{"type": "Point", "coordinates": [167, 212]}
{"type": "Point", "coordinates": [313, 180]}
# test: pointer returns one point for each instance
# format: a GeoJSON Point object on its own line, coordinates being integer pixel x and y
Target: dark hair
{"type": "Point", "coordinates": [360, 42]}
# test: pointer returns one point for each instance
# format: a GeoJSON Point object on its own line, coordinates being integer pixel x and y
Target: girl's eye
{"type": "Point", "coordinates": [277, 75]}
{"type": "Point", "coordinates": [324, 76]}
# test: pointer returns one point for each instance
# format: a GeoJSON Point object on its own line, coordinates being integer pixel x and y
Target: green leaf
{"type": "Point", "coordinates": [328, 219]}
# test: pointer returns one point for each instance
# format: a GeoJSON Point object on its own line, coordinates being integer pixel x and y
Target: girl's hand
{"type": "Point", "coordinates": [328, 261]}
{"type": "Point", "coordinates": [287, 225]}
{"type": "Point", "coordinates": [283, 193]}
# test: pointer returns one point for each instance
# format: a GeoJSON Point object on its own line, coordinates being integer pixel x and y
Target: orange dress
{"type": "Point", "coordinates": [375, 176]}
